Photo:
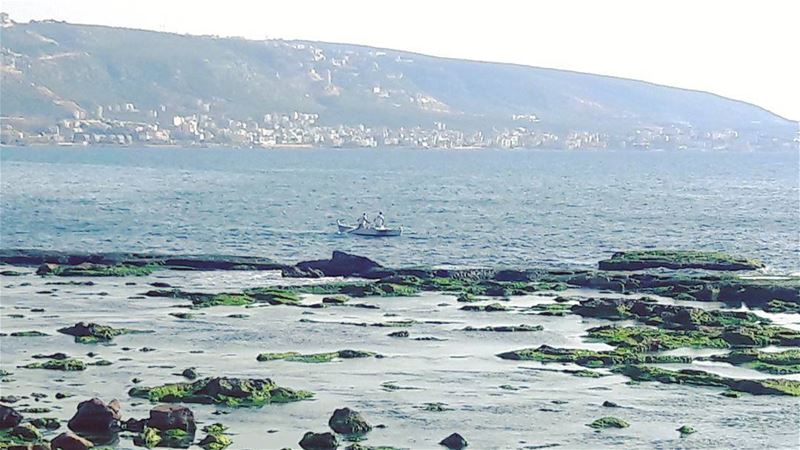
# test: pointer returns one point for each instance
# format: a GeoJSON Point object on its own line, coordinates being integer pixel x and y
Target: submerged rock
{"type": "Point", "coordinates": [319, 441]}
{"type": "Point", "coordinates": [89, 332]}
{"type": "Point", "coordinates": [70, 441]}
{"type": "Point", "coordinates": [348, 421]}
{"type": "Point", "coordinates": [506, 328]}
{"type": "Point", "coordinates": [492, 307]}
{"type": "Point", "coordinates": [316, 357]}
{"type": "Point", "coordinates": [95, 417]}
{"type": "Point", "coordinates": [454, 442]}
{"type": "Point", "coordinates": [686, 430]}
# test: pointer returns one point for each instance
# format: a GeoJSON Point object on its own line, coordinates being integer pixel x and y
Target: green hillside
{"type": "Point", "coordinates": [50, 69]}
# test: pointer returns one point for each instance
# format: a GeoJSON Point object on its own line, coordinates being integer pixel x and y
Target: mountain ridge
{"type": "Point", "coordinates": [54, 70]}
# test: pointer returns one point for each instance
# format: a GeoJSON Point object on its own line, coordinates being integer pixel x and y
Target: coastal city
{"type": "Point", "coordinates": [303, 130]}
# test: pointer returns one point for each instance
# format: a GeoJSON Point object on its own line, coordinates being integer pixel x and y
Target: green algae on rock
{"type": "Point", "coordinates": [677, 317]}
{"type": "Point", "coordinates": [244, 392]}
{"type": "Point", "coordinates": [786, 362]}
{"type": "Point", "coordinates": [97, 270]}
{"type": "Point", "coordinates": [776, 386]}
{"type": "Point", "coordinates": [654, 339]}
{"type": "Point", "coordinates": [677, 259]}
{"type": "Point", "coordinates": [91, 333]}
{"type": "Point", "coordinates": [316, 357]}
{"type": "Point", "coordinates": [70, 364]}
{"type": "Point", "coordinates": [686, 430]}
{"type": "Point", "coordinates": [32, 333]}
{"type": "Point", "coordinates": [492, 307]}
{"type": "Point", "coordinates": [590, 358]}
{"type": "Point", "coordinates": [505, 328]}
{"type": "Point", "coordinates": [608, 422]}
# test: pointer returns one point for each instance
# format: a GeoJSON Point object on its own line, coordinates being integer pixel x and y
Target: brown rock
{"type": "Point", "coordinates": [94, 416]}
{"type": "Point", "coordinates": [70, 441]}
{"type": "Point", "coordinates": [168, 417]}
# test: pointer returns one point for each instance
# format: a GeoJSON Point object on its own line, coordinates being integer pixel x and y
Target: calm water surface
{"type": "Point", "coordinates": [465, 208]}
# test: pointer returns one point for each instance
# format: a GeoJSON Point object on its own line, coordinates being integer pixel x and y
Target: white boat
{"type": "Point", "coordinates": [376, 232]}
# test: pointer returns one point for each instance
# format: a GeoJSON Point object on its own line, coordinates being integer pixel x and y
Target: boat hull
{"type": "Point", "coordinates": [372, 232]}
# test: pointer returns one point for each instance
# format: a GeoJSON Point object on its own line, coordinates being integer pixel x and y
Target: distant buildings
{"type": "Point", "coordinates": [125, 124]}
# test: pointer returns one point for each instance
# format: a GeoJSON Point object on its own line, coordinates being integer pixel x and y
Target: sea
{"type": "Point", "coordinates": [475, 208]}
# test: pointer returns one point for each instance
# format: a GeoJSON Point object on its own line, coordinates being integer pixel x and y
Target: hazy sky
{"type": "Point", "coordinates": [746, 50]}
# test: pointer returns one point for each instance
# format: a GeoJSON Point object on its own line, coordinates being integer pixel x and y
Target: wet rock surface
{"type": "Point", "coordinates": [348, 421]}
{"type": "Point", "coordinates": [96, 417]}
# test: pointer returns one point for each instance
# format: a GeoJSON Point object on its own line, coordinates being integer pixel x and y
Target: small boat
{"type": "Point", "coordinates": [376, 232]}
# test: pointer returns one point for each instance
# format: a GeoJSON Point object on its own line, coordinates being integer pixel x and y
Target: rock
{"type": "Point", "coordinates": [319, 441]}
{"type": "Point", "coordinates": [677, 259]}
{"type": "Point", "coordinates": [70, 441]}
{"type": "Point", "coordinates": [454, 442]}
{"type": "Point", "coordinates": [134, 425]}
{"type": "Point", "coordinates": [228, 391]}
{"type": "Point", "coordinates": [609, 422]}
{"type": "Point", "coordinates": [399, 334]}
{"type": "Point", "coordinates": [296, 272]}
{"type": "Point", "coordinates": [168, 417]}
{"type": "Point", "coordinates": [48, 423]}
{"type": "Point", "coordinates": [190, 373]}
{"type": "Point", "coordinates": [215, 442]}
{"type": "Point", "coordinates": [341, 264]}
{"type": "Point", "coordinates": [609, 404]}
{"type": "Point", "coordinates": [47, 268]}
{"type": "Point", "coordinates": [348, 421]}
{"type": "Point", "coordinates": [9, 418]}
{"type": "Point", "coordinates": [686, 430]}
{"type": "Point", "coordinates": [94, 416]}
{"type": "Point", "coordinates": [160, 284]}
{"type": "Point", "coordinates": [26, 432]}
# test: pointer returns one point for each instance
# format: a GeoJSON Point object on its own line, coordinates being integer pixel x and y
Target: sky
{"type": "Point", "coordinates": [747, 50]}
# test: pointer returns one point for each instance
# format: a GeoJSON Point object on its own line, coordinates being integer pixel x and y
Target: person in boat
{"type": "Point", "coordinates": [363, 222]}
{"type": "Point", "coordinates": [379, 220]}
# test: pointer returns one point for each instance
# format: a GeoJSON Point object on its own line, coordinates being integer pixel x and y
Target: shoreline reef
{"type": "Point", "coordinates": [640, 329]}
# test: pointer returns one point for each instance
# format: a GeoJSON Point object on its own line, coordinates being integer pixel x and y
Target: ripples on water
{"type": "Point", "coordinates": [465, 208]}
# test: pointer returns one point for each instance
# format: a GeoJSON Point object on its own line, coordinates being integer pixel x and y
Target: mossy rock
{"type": "Point", "coordinates": [98, 270]}
{"type": "Point", "coordinates": [776, 386]}
{"type": "Point", "coordinates": [32, 333]}
{"type": "Point", "coordinates": [316, 357]}
{"type": "Point", "coordinates": [492, 307]}
{"type": "Point", "coordinates": [590, 358]}
{"type": "Point", "coordinates": [233, 392]}
{"type": "Point", "coordinates": [92, 333]}
{"type": "Point", "coordinates": [785, 362]}
{"type": "Point", "coordinates": [609, 422]}
{"type": "Point", "coordinates": [677, 259]}
{"type": "Point", "coordinates": [70, 364]}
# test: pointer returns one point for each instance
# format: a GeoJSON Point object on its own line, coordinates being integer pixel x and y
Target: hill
{"type": "Point", "coordinates": [53, 70]}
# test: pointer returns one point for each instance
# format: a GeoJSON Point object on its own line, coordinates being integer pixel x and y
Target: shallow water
{"type": "Point", "coordinates": [461, 371]}
{"type": "Point", "coordinates": [485, 208]}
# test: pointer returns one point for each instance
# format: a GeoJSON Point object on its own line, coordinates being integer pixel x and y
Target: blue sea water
{"type": "Point", "coordinates": [468, 208]}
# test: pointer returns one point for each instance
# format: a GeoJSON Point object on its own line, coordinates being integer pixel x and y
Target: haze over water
{"type": "Point", "coordinates": [475, 208]}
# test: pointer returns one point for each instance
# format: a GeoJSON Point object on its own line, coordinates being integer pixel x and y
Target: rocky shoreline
{"type": "Point", "coordinates": [640, 328]}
